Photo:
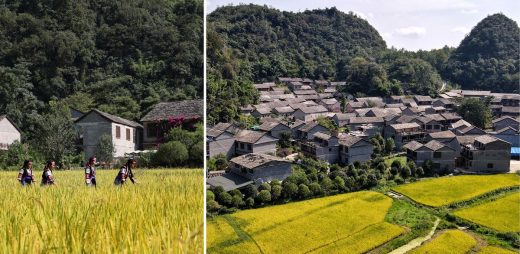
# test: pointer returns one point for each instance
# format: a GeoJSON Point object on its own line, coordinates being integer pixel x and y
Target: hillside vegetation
{"type": "Point", "coordinates": [119, 56]}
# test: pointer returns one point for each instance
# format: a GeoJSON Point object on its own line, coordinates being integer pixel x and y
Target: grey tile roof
{"type": "Point", "coordinates": [112, 118]}
{"type": "Point", "coordinates": [249, 136]}
{"type": "Point", "coordinates": [165, 110]}
{"type": "Point", "coordinates": [442, 134]}
{"type": "Point", "coordinates": [413, 145]}
{"type": "Point", "coordinates": [229, 181]}
{"type": "Point", "coordinates": [253, 160]}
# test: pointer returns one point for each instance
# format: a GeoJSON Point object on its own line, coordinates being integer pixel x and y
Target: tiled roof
{"type": "Point", "coordinates": [253, 160]}
{"type": "Point", "coordinates": [165, 110]}
{"type": "Point", "coordinates": [112, 118]}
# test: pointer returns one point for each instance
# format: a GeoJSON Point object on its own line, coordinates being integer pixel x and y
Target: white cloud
{"type": "Point", "coordinates": [411, 31]}
{"type": "Point", "coordinates": [460, 29]}
{"type": "Point", "coordinates": [469, 11]}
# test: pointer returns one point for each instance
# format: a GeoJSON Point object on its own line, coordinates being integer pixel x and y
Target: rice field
{"type": "Point", "coordinates": [162, 214]}
{"type": "Point", "coordinates": [455, 241]}
{"type": "Point", "coordinates": [450, 189]}
{"type": "Point", "coordinates": [347, 223]}
{"type": "Point", "coordinates": [502, 214]}
{"type": "Point", "coordinates": [494, 250]}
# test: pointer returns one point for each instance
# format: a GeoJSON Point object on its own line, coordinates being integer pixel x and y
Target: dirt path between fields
{"type": "Point", "coordinates": [417, 241]}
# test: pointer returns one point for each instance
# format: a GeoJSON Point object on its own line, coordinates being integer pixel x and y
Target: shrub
{"type": "Point", "coordinates": [171, 154]}
{"type": "Point", "coordinates": [276, 191]}
{"type": "Point", "coordinates": [197, 153]}
{"type": "Point", "coordinates": [250, 202]}
{"type": "Point", "coordinates": [213, 206]}
{"type": "Point", "coordinates": [264, 196]}
{"type": "Point", "coordinates": [237, 201]}
{"type": "Point", "coordinates": [264, 186]}
{"type": "Point", "coordinates": [210, 195]}
{"type": "Point", "coordinates": [315, 188]}
{"type": "Point", "coordinates": [303, 191]}
{"type": "Point", "coordinates": [225, 198]}
{"type": "Point", "coordinates": [290, 190]}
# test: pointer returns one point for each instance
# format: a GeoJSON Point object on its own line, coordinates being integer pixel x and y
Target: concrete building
{"type": "Point", "coordinates": [323, 147]}
{"type": "Point", "coordinates": [504, 122]}
{"type": "Point", "coordinates": [126, 135]}
{"type": "Point", "coordinates": [441, 155]}
{"type": "Point", "coordinates": [9, 132]}
{"type": "Point", "coordinates": [352, 148]}
{"type": "Point", "coordinates": [247, 141]}
{"type": "Point", "coordinates": [403, 133]}
{"type": "Point", "coordinates": [221, 140]}
{"type": "Point", "coordinates": [487, 154]}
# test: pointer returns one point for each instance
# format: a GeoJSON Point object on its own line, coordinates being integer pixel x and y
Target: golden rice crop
{"type": "Point", "coordinates": [446, 190]}
{"type": "Point", "coordinates": [502, 214]}
{"type": "Point", "coordinates": [450, 241]}
{"type": "Point", "coordinates": [162, 214]}
{"type": "Point", "coordinates": [317, 225]}
{"type": "Point", "coordinates": [494, 250]}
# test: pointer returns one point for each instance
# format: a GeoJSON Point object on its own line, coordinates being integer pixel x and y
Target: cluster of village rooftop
{"type": "Point", "coordinates": [426, 128]}
{"type": "Point", "coordinates": [128, 137]}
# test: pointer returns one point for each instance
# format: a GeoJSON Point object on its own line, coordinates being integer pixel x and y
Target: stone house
{"type": "Point", "coordinates": [166, 115]}
{"type": "Point", "coordinates": [307, 114]}
{"type": "Point", "coordinates": [126, 135]}
{"type": "Point", "coordinates": [487, 154]}
{"type": "Point", "coordinates": [331, 105]}
{"type": "Point", "coordinates": [9, 132]}
{"type": "Point", "coordinates": [403, 133]}
{"type": "Point", "coordinates": [441, 155]}
{"type": "Point", "coordinates": [505, 121]}
{"type": "Point", "coordinates": [248, 141]}
{"type": "Point", "coordinates": [307, 131]}
{"type": "Point", "coordinates": [323, 147]}
{"type": "Point", "coordinates": [220, 139]}
{"type": "Point", "coordinates": [352, 148]}
{"type": "Point", "coordinates": [254, 169]}
{"type": "Point", "coordinates": [275, 129]}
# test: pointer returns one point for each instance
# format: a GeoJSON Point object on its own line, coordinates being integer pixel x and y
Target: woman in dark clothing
{"type": "Point", "coordinates": [47, 176]}
{"type": "Point", "coordinates": [25, 176]}
{"type": "Point", "coordinates": [126, 172]}
{"type": "Point", "coordinates": [90, 172]}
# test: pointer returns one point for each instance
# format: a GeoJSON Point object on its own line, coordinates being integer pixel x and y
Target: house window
{"type": "Point", "coordinates": [249, 147]}
{"type": "Point", "coordinates": [128, 134]}
{"type": "Point", "coordinates": [250, 171]}
{"type": "Point", "coordinates": [436, 154]}
{"type": "Point", "coordinates": [243, 170]}
{"type": "Point", "coordinates": [490, 165]}
{"type": "Point", "coordinates": [118, 132]}
{"type": "Point", "coordinates": [330, 149]}
{"type": "Point", "coordinates": [428, 127]}
{"type": "Point", "coordinates": [151, 130]}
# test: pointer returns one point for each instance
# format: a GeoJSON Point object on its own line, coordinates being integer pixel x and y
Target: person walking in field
{"type": "Point", "coordinates": [90, 172]}
{"type": "Point", "coordinates": [126, 172]}
{"type": "Point", "coordinates": [25, 176]}
{"type": "Point", "coordinates": [47, 176]}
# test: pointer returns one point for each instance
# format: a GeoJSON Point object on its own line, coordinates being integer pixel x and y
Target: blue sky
{"type": "Point", "coordinates": [412, 25]}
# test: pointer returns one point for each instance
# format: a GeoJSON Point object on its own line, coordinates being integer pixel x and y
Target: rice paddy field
{"type": "Point", "coordinates": [495, 250]}
{"type": "Point", "coordinates": [502, 214]}
{"type": "Point", "coordinates": [347, 223]}
{"type": "Point", "coordinates": [443, 191]}
{"type": "Point", "coordinates": [162, 214]}
{"type": "Point", "coordinates": [449, 241]}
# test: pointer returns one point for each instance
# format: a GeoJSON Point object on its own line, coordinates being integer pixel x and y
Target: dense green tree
{"type": "Point", "coordinates": [475, 111]}
{"type": "Point", "coordinates": [264, 196]}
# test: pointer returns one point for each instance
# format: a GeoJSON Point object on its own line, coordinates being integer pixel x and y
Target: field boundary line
{"type": "Point", "coordinates": [414, 243]}
{"type": "Point", "coordinates": [243, 235]}
{"type": "Point", "coordinates": [342, 238]}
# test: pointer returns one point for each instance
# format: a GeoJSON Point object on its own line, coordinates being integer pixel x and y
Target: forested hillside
{"type": "Point", "coordinates": [488, 58]}
{"type": "Point", "coordinates": [250, 44]}
{"type": "Point", "coordinates": [119, 56]}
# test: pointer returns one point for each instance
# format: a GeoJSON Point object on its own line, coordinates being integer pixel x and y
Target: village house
{"type": "Point", "coordinates": [246, 110]}
{"type": "Point", "coordinates": [403, 133]}
{"type": "Point", "coordinates": [475, 94]}
{"type": "Point", "coordinates": [260, 112]}
{"type": "Point", "coordinates": [323, 147]}
{"type": "Point", "coordinates": [353, 105]}
{"type": "Point", "coordinates": [331, 104]}
{"type": "Point", "coordinates": [307, 114]}
{"type": "Point", "coordinates": [264, 86]}
{"type": "Point", "coordinates": [275, 129]}
{"type": "Point", "coordinates": [429, 124]}
{"type": "Point", "coordinates": [487, 154]}
{"type": "Point", "coordinates": [75, 114]}
{"type": "Point", "coordinates": [508, 134]}
{"type": "Point", "coordinates": [221, 140]}
{"type": "Point", "coordinates": [126, 135]}
{"type": "Point", "coordinates": [352, 149]}
{"type": "Point", "coordinates": [307, 131]}
{"type": "Point", "coordinates": [505, 121]}
{"type": "Point", "coordinates": [459, 125]}
{"type": "Point", "coordinates": [445, 103]}
{"type": "Point", "coordinates": [356, 122]}
{"type": "Point", "coordinates": [441, 136]}
{"type": "Point", "coordinates": [248, 141]}
{"type": "Point", "coordinates": [342, 119]}
{"type": "Point", "coordinates": [470, 130]}
{"type": "Point", "coordinates": [372, 101]}
{"type": "Point", "coordinates": [166, 115]}
{"type": "Point", "coordinates": [422, 100]}
{"type": "Point", "coordinates": [441, 155]}
{"type": "Point", "coordinates": [254, 169]}
{"type": "Point", "coordinates": [283, 111]}
{"type": "Point", "coordinates": [9, 132]}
